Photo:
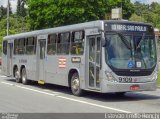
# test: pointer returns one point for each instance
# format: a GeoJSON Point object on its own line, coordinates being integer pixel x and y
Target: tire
{"type": "Point", "coordinates": [25, 81]}
{"type": "Point", "coordinates": [17, 76]}
{"type": "Point", "coordinates": [75, 85]}
{"type": "Point", "coordinates": [120, 93]}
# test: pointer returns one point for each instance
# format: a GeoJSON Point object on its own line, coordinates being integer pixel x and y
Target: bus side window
{"type": "Point", "coordinates": [16, 44]}
{"type": "Point", "coordinates": [51, 46]}
{"type": "Point", "coordinates": [31, 45]}
{"type": "Point", "coordinates": [59, 44]}
{"type": "Point", "coordinates": [63, 43]}
{"type": "Point", "coordinates": [77, 43]}
{"type": "Point", "coordinates": [5, 47]}
{"type": "Point", "coordinates": [21, 47]}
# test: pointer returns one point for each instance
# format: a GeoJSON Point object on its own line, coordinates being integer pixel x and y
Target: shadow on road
{"type": "Point", "coordinates": [105, 97]}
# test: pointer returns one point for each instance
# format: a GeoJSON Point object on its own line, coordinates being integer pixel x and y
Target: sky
{"type": "Point", "coordinates": [146, 1]}
{"type": "Point", "coordinates": [14, 3]}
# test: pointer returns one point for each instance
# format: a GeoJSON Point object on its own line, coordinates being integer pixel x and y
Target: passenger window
{"type": "Point", "coordinates": [21, 49]}
{"type": "Point", "coordinates": [31, 45]}
{"type": "Point", "coordinates": [77, 43]}
{"type": "Point", "coordinates": [16, 44]}
{"type": "Point", "coordinates": [5, 47]}
{"type": "Point", "coordinates": [63, 43]}
{"type": "Point", "coordinates": [19, 46]}
{"type": "Point", "coordinates": [51, 47]}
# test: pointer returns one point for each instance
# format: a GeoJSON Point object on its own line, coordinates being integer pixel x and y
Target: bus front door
{"type": "Point", "coordinates": [9, 58]}
{"type": "Point", "coordinates": [94, 57]}
{"type": "Point", "coordinates": [41, 60]}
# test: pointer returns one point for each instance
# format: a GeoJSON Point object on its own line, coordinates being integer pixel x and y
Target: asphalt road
{"type": "Point", "coordinates": [19, 98]}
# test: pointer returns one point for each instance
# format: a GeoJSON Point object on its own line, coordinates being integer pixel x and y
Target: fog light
{"type": "Point", "coordinates": [109, 76]}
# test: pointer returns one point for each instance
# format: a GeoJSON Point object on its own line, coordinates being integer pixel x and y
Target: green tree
{"type": "Point", "coordinates": [3, 11]}
{"type": "Point", "coordinates": [148, 13]}
{"type": "Point", "coordinates": [16, 26]}
{"type": "Point", "coordinates": [61, 12]}
{"type": "Point", "coordinates": [19, 7]}
{"type": "Point", "coordinates": [156, 16]}
{"type": "Point", "coordinates": [21, 10]}
{"type": "Point", "coordinates": [44, 14]}
{"type": "Point", "coordinates": [137, 18]}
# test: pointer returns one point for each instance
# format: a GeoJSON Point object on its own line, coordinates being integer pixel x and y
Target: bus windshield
{"type": "Point", "coordinates": [130, 51]}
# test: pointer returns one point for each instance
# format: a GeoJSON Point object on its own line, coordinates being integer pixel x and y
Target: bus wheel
{"type": "Point", "coordinates": [75, 85]}
{"type": "Point", "coordinates": [25, 81]}
{"type": "Point", "coordinates": [17, 76]}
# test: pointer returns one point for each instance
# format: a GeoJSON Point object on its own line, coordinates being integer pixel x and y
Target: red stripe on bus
{"type": "Point", "coordinates": [62, 66]}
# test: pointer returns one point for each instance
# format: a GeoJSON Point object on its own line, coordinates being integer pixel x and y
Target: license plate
{"type": "Point", "coordinates": [134, 87]}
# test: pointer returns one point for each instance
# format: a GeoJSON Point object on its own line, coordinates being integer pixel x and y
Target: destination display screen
{"type": "Point", "coordinates": [128, 27]}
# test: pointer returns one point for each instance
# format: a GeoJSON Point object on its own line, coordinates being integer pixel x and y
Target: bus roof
{"type": "Point", "coordinates": [66, 28]}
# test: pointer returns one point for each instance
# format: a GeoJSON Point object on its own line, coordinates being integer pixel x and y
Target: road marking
{"type": "Point", "coordinates": [7, 83]}
{"type": "Point", "coordinates": [71, 99]}
{"type": "Point", "coordinates": [101, 106]}
{"type": "Point", "coordinates": [3, 76]}
{"type": "Point", "coordinates": [42, 92]}
{"type": "Point", "coordinates": [51, 94]}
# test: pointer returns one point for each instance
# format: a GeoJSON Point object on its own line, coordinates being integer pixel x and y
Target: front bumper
{"type": "Point", "coordinates": [125, 87]}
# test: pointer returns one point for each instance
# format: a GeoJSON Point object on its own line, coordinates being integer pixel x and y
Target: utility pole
{"type": "Point", "coordinates": [121, 4]}
{"type": "Point", "coordinates": [7, 17]}
{"type": "Point", "coordinates": [122, 8]}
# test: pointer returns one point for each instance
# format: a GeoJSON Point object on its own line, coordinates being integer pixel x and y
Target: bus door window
{"type": "Point", "coordinates": [92, 50]}
{"type": "Point", "coordinates": [98, 63]}
{"type": "Point", "coordinates": [42, 49]}
{"type": "Point", "coordinates": [98, 51]}
{"type": "Point", "coordinates": [94, 61]}
{"type": "Point", "coordinates": [91, 61]}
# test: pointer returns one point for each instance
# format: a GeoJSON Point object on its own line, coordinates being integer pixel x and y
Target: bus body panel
{"type": "Point", "coordinates": [29, 62]}
{"type": "Point", "coordinates": [4, 65]}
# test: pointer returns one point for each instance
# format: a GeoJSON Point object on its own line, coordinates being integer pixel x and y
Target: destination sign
{"type": "Point", "coordinates": [128, 27]}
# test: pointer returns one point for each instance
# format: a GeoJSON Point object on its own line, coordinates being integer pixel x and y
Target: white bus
{"type": "Point", "coordinates": [101, 56]}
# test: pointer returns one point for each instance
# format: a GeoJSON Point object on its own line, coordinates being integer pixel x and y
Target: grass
{"type": "Point", "coordinates": [158, 80]}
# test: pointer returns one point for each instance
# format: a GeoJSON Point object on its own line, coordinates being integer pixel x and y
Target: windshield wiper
{"type": "Point", "coordinates": [124, 40]}
{"type": "Point", "coordinates": [138, 47]}
{"type": "Point", "coordinates": [140, 42]}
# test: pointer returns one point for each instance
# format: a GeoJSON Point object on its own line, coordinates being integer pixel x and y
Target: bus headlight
{"type": "Point", "coordinates": [109, 76]}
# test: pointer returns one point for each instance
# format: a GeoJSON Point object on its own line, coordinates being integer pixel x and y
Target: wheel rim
{"type": "Point", "coordinates": [75, 84]}
{"type": "Point", "coordinates": [23, 75]}
{"type": "Point", "coordinates": [16, 75]}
